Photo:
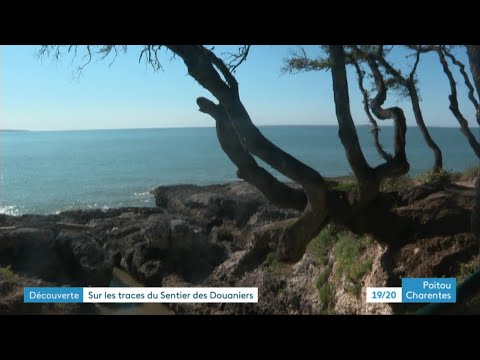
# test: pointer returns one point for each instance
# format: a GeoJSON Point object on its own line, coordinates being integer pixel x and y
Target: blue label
{"type": "Point", "coordinates": [53, 295]}
{"type": "Point", "coordinates": [429, 290]}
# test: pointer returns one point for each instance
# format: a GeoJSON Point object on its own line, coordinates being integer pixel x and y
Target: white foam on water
{"type": "Point", "coordinates": [142, 194]}
{"type": "Point", "coordinates": [9, 210]}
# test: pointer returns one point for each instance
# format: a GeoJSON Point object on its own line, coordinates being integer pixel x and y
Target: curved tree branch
{"type": "Point", "coordinates": [235, 60]}
{"type": "Point", "coordinates": [409, 84]}
{"type": "Point", "coordinates": [366, 107]}
{"type": "Point", "coordinates": [399, 164]}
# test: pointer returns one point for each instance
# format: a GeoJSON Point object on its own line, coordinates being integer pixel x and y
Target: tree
{"type": "Point", "coordinates": [363, 211]}
{"type": "Point", "coordinates": [373, 56]}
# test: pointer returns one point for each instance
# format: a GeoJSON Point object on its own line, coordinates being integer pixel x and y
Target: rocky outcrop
{"type": "Point", "coordinates": [45, 250]}
{"type": "Point", "coordinates": [436, 242]}
{"type": "Point", "coordinates": [211, 205]}
{"type": "Point", "coordinates": [225, 235]}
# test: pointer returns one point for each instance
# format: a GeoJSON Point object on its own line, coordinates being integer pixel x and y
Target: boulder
{"type": "Point", "coordinates": [32, 252]}
{"type": "Point", "coordinates": [89, 264]}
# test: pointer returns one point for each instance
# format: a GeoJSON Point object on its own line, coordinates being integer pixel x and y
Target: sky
{"type": "Point", "coordinates": [43, 94]}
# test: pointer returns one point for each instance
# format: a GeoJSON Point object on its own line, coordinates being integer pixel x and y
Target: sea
{"type": "Point", "coordinates": [46, 172]}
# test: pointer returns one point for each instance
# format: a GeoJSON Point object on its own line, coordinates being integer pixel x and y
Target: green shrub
{"type": "Point", "coordinates": [324, 289]}
{"type": "Point", "coordinates": [350, 262]}
{"type": "Point", "coordinates": [345, 186]}
{"type": "Point", "coordinates": [321, 245]}
{"type": "Point", "coordinates": [6, 272]}
{"type": "Point", "coordinates": [467, 269]}
{"type": "Point", "coordinates": [437, 177]}
{"type": "Point", "coordinates": [272, 260]}
{"type": "Point", "coordinates": [400, 184]}
{"type": "Point", "coordinates": [325, 293]}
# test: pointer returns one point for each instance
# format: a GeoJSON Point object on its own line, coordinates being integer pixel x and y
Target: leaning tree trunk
{"type": "Point", "coordinates": [205, 67]}
{"type": "Point", "coordinates": [367, 182]}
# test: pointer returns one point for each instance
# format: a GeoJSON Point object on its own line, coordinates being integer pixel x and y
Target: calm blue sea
{"type": "Point", "coordinates": [49, 172]}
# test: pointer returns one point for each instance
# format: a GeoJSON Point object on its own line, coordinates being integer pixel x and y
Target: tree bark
{"type": "Point", "coordinates": [367, 183]}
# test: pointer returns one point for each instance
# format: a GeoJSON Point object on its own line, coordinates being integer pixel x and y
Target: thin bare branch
{"type": "Point", "coordinates": [149, 54]}
{"type": "Point", "coordinates": [234, 60]}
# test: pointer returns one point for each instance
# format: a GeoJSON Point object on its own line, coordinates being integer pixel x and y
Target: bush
{"type": "Point", "coordinates": [321, 245]}
{"type": "Point", "coordinates": [272, 260]}
{"type": "Point", "coordinates": [324, 289]}
{"type": "Point", "coordinates": [350, 262]}
{"type": "Point", "coordinates": [401, 184]}
{"type": "Point", "coordinates": [325, 293]}
{"type": "Point", "coordinates": [437, 177]}
{"type": "Point", "coordinates": [6, 272]}
{"type": "Point", "coordinates": [345, 186]}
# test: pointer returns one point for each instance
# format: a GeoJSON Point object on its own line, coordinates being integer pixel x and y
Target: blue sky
{"type": "Point", "coordinates": [44, 95]}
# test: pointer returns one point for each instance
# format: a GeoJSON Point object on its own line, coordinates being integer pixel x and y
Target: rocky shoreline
{"type": "Point", "coordinates": [218, 235]}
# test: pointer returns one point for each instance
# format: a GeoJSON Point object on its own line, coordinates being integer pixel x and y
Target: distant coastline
{"type": "Point", "coordinates": [386, 125]}
{"type": "Point", "coordinates": [14, 130]}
